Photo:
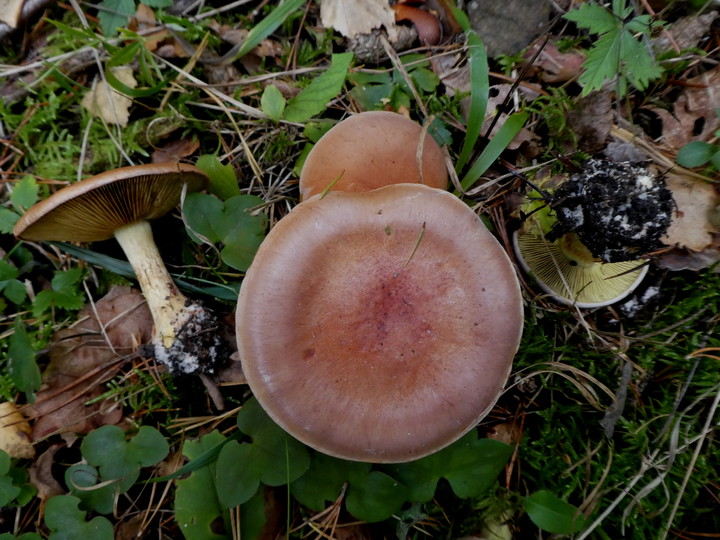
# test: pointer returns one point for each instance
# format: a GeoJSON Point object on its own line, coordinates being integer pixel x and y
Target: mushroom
{"type": "Point", "coordinates": [371, 150]}
{"type": "Point", "coordinates": [119, 203]}
{"type": "Point", "coordinates": [567, 271]}
{"type": "Point", "coordinates": [379, 326]}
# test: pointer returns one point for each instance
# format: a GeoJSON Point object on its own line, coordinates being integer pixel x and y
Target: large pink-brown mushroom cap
{"type": "Point", "coordinates": [379, 326]}
{"type": "Point", "coordinates": [371, 150]}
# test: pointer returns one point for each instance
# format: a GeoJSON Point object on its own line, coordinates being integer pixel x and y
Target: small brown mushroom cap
{"type": "Point", "coordinates": [92, 209]}
{"type": "Point", "coordinates": [379, 326]}
{"type": "Point", "coordinates": [371, 150]}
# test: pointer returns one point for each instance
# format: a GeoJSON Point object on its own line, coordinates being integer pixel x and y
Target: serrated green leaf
{"type": "Point", "coordinates": [223, 181]}
{"type": "Point", "coordinates": [273, 102]}
{"type": "Point", "coordinates": [638, 64]}
{"type": "Point", "coordinates": [695, 154]}
{"type": "Point", "coordinates": [196, 502]}
{"type": "Point", "coordinates": [14, 291]}
{"type": "Point", "coordinates": [25, 193]}
{"type": "Point", "coordinates": [601, 62]}
{"type": "Point", "coordinates": [62, 281]}
{"type": "Point", "coordinates": [22, 367]}
{"type": "Point", "coordinates": [594, 18]}
{"type": "Point", "coordinates": [67, 521]}
{"type": "Point", "coordinates": [552, 514]}
{"type": "Point", "coordinates": [8, 218]}
{"type": "Point", "coordinates": [114, 14]}
{"type": "Point", "coordinates": [314, 97]}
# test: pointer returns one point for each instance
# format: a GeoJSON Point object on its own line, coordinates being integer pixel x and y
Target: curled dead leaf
{"type": "Point", "coordinates": [15, 432]}
{"type": "Point", "coordinates": [105, 102]}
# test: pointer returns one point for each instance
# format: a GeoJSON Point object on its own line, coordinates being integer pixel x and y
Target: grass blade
{"type": "Point", "coordinates": [479, 91]}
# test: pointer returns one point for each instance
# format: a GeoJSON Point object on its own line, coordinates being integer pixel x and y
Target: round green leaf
{"type": "Point", "coordinates": [695, 154]}
{"type": "Point", "coordinates": [552, 514]}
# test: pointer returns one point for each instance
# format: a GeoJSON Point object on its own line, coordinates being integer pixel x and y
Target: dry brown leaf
{"type": "Point", "coordinates": [81, 358]}
{"type": "Point", "coordinates": [175, 150]}
{"type": "Point", "coordinates": [354, 17]}
{"type": "Point", "coordinates": [107, 103]}
{"type": "Point", "coordinates": [15, 432]}
{"type": "Point", "coordinates": [553, 65]}
{"type": "Point", "coordinates": [694, 116]}
{"type": "Point", "coordinates": [691, 227]}
{"type": "Point", "coordinates": [41, 474]}
{"type": "Point", "coordinates": [10, 12]}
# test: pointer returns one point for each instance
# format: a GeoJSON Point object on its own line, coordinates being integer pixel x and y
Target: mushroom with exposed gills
{"type": "Point", "coordinates": [567, 271]}
{"type": "Point", "coordinates": [370, 150]}
{"type": "Point", "coordinates": [119, 203]}
{"type": "Point", "coordinates": [379, 326]}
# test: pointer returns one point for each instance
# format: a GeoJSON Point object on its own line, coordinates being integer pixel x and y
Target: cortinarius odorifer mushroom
{"type": "Point", "coordinates": [379, 326]}
{"type": "Point", "coordinates": [371, 150]}
{"type": "Point", "coordinates": [119, 203]}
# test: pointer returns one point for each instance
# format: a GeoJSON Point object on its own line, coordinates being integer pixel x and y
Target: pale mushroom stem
{"type": "Point", "coordinates": [165, 301]}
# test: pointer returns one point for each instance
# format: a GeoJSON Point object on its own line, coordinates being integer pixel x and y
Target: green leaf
{"type": "Point", "coordinates": [8, 492]}
{"type": "Point", "coordinates": [116, 458]}
{"type": "Point", "coordinates": [552, 514]}
{"type": "Point", "coordinates": [272, 457]}
{"type": "Point", "coordinates": [230, 223]}
{"type": "Point", "coordinates": [8, 218]}
{"type": "Point", "coordinates": [314, 98]}
{"type": "Point", "coordinates": [594, 18]}
{"type": "Point", "coordinates": [695, 154]}
{"type": "Point", "coordinates": [114, 14]}
{"type": "Point", "coordinates": [638, 64]}
{"type": "Point", "coordinates": [64, 293]}
{"type": "Point", "coordinates": [196, 502]}
{"type": "Point", "coordinates": [374, 496]}
{"type": "Point", "coordinates": [85, 483]}
{"type": "Point", "coordinates": [470, 465]}
{"type": "Point", "coordinates": [13, 289]}
{"type": "Point", "coordinates": [371, 495]}
{"type": "Point", "coordinates": [601, 62]}
{"type": "Point", "coordinates": [267, 26]}
{"type": "Point", "coordinates": [22, 367]}
{"type": "Point", "coordinates": [479, 93]}
{"type": "Point", "coordinates": [158, 3]}
{"type": "Point", "coordinates": [25, 193]}
{"type": "Point", "coordinates": [24, 536]}
{"type": "Point", "coordinates": [512, 126]}
{"type": "Point", "coordinates": [67, 521]}
{"type": "Point", "coordinates": [223, 181]}
{"type": "Point", "coordinates": [272, 102]}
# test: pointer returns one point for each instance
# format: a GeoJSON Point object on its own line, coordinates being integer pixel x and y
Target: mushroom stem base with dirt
{"type": "Point", "coordinates": [185, 335]}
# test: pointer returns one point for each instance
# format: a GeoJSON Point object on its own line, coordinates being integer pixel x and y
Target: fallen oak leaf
{"type": "Point", "coordinates": [85, 355]}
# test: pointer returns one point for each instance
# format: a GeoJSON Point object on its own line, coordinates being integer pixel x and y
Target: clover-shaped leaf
{"type": "Point", "coordinates": [196, 502]}
{"type": "Point", "coordinates": [67, 521]}
{"type": "Point", "coordinates": [223, 181]}
{"type": "Point", "coordinates": [8, 492]}
{"type": "Point", "coordinates": [85, 484]}
{"type": "Point", "coordinates": [470, 465]}
{"type": "Point", "coordinates": [230, 223]}
{"type": "Point", "coordinates": [117, 458]}
{"type": "Point", "coordinates": [272, 457]}
{"type": "Point", "coordinates": [371, 495]}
